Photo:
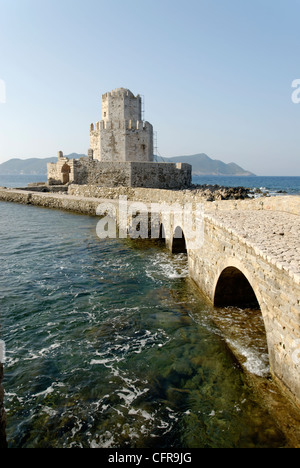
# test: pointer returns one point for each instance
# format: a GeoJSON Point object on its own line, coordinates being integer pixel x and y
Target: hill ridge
{"type": "Point", "coordinates": [201, 162]}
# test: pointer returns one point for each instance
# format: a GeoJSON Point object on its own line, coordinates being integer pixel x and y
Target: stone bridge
{"type": "Point", "coordinates": [251, 259]}
{"type": "Point", "coordinates": [248, 255]}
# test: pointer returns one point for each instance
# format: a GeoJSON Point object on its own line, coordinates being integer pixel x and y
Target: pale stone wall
{"type": "Point", "coordinates": [285, 203]}
{"type": "Point", "coordinates": [271, 264]}
{"type": "Point", "coordinates": [121, 104]}
{"type": "Point", "coordinates": [62, 172]}
{"type": "Point", "coordinates": [139, 141]}
{"type": "Point", "coordinates": [130, 174]}
{"type": "Point", "coordinates": [89, 171]}
{"type": "Point", "coordinates": [105, 174]}
{"type": "Point", "coordinates": [161, 175]}
{"type": "Point", "coordinates": [122, 135]}
{"type": "Point", "coordinates": [116, 173]}
{"type": "Point", "coordinates": [112, 141]}
{"type": "Point", "coordinates": [95, 140]}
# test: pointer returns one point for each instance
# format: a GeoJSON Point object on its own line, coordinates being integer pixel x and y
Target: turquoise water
{"type": "Point", "coordinates": [272, 185]}
{"type": "Point", "coordinates": [109, 344]}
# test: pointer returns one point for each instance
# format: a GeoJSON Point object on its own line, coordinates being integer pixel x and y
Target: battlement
{"type": "Point", "coordinates": [120, 125]}
{"type": "Point", "coordinates": [94, 128]}
{"type": "Point", "coordinates": [121, 104]}
{"type": "Point", "coordinates": [119, 92]}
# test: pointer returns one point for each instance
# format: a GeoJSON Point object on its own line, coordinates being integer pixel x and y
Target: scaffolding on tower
{"type": "Point", "coordinates": [155, 148]}
{"type": "Point", "coordinates": [143, 107]}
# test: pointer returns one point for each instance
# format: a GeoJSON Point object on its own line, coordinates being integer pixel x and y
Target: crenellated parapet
{"type": "Point", "coordinates": [120, 125]}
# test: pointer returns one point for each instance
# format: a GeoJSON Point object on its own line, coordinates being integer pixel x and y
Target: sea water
{"type": "Point", "coordinates": [270, 185]}
{"type": "Point", "coordinates": [267, 185]}
{"type": "Point", "coordinates": [108, 343]}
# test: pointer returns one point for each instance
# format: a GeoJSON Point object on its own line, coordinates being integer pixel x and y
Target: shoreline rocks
{"type": "Point", "coordinates": [218, 192]}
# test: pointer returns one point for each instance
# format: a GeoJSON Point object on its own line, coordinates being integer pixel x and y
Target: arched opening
{"type": "Point", "coordinates": [65, 172]}
{"type": "Point", "coordinates": [239, 316]}
{"type": "Point", "coordinates": [162, 234]}
{"type": "Point", "coordinates": [234, 289]}
{"type": "Point", "coordinates": [179, 244]}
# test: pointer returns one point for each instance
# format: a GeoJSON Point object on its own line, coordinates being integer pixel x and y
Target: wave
{"type": "Point", "coordinates": [164, 266]}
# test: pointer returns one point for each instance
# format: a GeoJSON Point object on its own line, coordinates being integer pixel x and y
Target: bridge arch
{"type": "Point", "coordinates": [178, 241]}
{"type": "Point", "coordinates": [235, 286]}
{"type": "Point", "coordinates": [234, 289]}
{"type": "Point", "coordinates": [232, 275]}
{"type": "Point", "coordinates": [252, 329]}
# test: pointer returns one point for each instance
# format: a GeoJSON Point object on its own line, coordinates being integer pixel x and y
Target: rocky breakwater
{"type": "Point", "coordinates": [217, 192]}
{"type": "Point", "coordinates": [208, 193]}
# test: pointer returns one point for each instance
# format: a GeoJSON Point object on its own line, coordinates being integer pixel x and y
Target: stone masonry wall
{"type": "Point", "coordinates": [131, 174]}
{"type": "Point", "coordinates": [268, 270]}
{"type": "Point", "coordinates": [161, 175]}
{"type": "Point", "coordinates": [287, 204]}
{"type": "Point", "coordinates": [123, 140]}
{"type": "Point", "coordinates": [105, 174]}
{"type": "Point", "coordinates": [121, 104]}
{"type": "Point", "coordinates": [139, 141]}
{"type": "Point", "coordinates": [61, 172]}
{"type": "Point", "coordinates": [95, 140]}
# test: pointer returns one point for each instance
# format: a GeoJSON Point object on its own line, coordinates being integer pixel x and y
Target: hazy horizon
{"type": "Point", "coordinates": [167, 157]}
{"type": "Point", "coordinates": [216, 76]}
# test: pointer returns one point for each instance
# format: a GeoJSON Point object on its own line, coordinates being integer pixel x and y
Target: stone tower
{"type": "Point", "coordinates": [122, 135]}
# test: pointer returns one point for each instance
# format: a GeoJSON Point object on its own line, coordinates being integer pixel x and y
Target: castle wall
{"type": "Point", "coordinates": [112, 141]}
{"type": "Point", "coordinates": [62, 172]}
{"type": "Point", "coordinates": [125, 140]}
{"type": "Point", "coordinates": [95, 140]}
{"type": "Point", "coordinates": [105, 174]}
{"type": "Point", "coordinates": [139, 141]}
{"type": "Point", "coordinates": [87, 171]}
{"type": "Point", "coordinates": [161, 175]}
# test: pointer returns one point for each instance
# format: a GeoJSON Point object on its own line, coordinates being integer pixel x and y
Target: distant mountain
{"type": "Point", "coordinates": [201, 163]}
{"type": "Point", "coordinates": [204, 165]}
{"type": "Point", "coordinates": [32, 166]}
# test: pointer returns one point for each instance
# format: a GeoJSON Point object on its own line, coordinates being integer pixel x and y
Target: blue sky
{"type": "Point", "coordinates": [216, 76]}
